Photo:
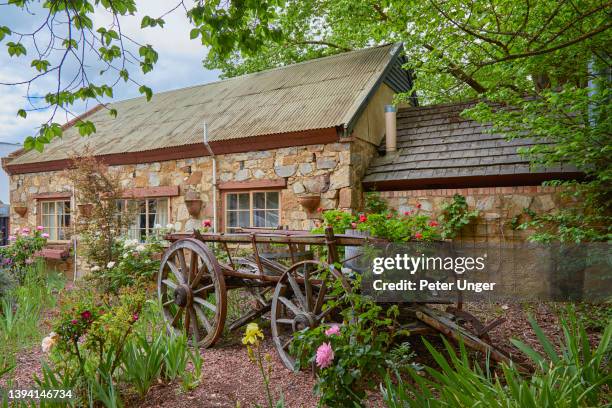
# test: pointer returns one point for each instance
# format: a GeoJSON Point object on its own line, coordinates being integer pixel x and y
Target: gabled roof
{"type": "Point", "coordinates": [437, 148]}
{"type": "Point", "coordinates": [325, 93]}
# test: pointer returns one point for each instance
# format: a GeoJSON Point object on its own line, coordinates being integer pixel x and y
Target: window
{"type": "Point", "coordinates": [147, 214]}
{"type": "Point", "coordinates": [55, 218]}
{"type": "Point", "coordinates": [252, 209]}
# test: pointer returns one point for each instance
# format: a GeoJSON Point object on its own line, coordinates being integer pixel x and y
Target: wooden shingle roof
{"type": "Point", "coordinates": [437, 148]}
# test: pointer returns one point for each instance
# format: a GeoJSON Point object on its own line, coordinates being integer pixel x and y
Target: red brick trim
{"type": "Point", "coordinates": [144, 192]}
{"type": "Point", "coordinates": [490, 182]}
{"type": "Point", "coordinates": [51, 196]}
{"type": "Point", "coordinates": [241, 145]}
{"type": "Point", "coordinates": [253, 184]}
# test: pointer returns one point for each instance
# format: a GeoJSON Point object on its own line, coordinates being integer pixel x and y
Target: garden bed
{"type": "Point", "coordinates": [230, 378]}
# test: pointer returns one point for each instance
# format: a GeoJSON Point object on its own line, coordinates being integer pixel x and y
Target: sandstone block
{"type": "Point", "coordinates": [326, 163]}
{"type": "Point", "coordinates": [285, 171]}
{"type": "Point", "coordinates": [298, 188]}
{"type": "Point", "coordinates": [242, 175]}
{"type": "Point", "coordinates": [305, 168]}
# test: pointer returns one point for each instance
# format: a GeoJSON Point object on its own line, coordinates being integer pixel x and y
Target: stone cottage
{"type": "Point", "coordinates": [267, 149]}
{"type": "Point", "coordinates": [278, 144]}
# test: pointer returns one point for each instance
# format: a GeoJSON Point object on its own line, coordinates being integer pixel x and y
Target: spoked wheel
{"type": "Point", "coordinates": [191, 290]}
{"type": "Point", "coordinates": [298, 302]}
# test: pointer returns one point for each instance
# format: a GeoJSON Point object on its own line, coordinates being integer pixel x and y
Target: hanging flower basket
{"type": "Point", "coordinates": [309, 202]}
{"type": "Point", "coordinates": [193, 203]}
{"type": "Point", "coordinates": [85, 209]}
{"type": "Point", "coordinates": [21, 210]}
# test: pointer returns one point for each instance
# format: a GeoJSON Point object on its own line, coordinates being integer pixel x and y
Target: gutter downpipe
{"type": "Point", "coordinates": [214, 176]}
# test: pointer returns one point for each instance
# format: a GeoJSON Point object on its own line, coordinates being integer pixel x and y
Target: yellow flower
{"type": "Point", "coordinates": [252, 334]}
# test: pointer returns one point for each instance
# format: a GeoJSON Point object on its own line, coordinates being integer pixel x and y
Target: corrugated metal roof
{"type": "Point", "coordinates": [315, 94]}
{"type": "Point", "coordinates": [435, 143]}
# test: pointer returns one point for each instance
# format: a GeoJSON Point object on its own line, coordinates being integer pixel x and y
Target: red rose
{"type": "Point", "coordinates": [433, 223]}
{"type": "Point", "coordinates": [74, 321]}
{"type": "Point", "coordinates": [86, 315]}
{"type": "Point", "coordinates": [362, 218]}
{"type": "Point", "coordinates": [418, 205]}
{"type": "Point", "coordinates": [407, 213]}
{"type": "Point", "coordinates": [319, 210]}
{"type": "Point", "coordinates": [418, 235]}
{"type": "Point", "coordinates": [206, 223]}
{"type": "Point", "coordinates": [135, 317]}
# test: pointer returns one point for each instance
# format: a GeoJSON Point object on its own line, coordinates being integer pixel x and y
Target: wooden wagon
{"type": "Point", "coordinates": [195, 277]}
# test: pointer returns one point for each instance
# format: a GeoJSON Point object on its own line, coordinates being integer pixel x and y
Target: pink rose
{"type": "Point", "coordinates": [45, 235]}
{"type": "Point", "coordinates": [25, 230]}
{"type": "Point", "coordinates": [206, 223]}
{"type": "Point", "coordinates": [135, 317]}
{"type": "Point", "coordinates": [325, 355]}
{"type": "Point", "coordinates": [334, 330]}
{"type": "Point", "coordinates": [353, 225]}
{"type": "Point", "coordinates": [319, 210]}
{"type": "Point", "coordinates": [407, 213]}
{"type": "Point", "coordinates": [12, 238]}
{"type": "Point", "coordinates": [74, 321]}
{"type": "Point", "coordinates": [86, 315]}
{"type": "Point", "coordinates": [40, 228]}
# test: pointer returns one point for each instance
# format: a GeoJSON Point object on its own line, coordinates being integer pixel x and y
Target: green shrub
{"type": "Point", "coordinates": [455, 215]}
{"type": "Point", "coordinates": [579, 376]}
{"type": "Point", "coordinates": [17, 257]}
{"type": "Point", "coordinates": [359, 349]}
{"type": "Point", "coordinates": [137, 263]}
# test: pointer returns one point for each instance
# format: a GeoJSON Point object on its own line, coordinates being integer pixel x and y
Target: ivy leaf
{"type": "Point", "coordinates": [146, 91]}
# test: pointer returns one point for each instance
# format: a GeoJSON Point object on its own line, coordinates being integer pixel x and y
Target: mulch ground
{"type": "Point", "coordinates": [230, 379]}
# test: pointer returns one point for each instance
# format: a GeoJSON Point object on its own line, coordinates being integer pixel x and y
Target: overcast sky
{"type": "Point", "coordinates": [179, 65]}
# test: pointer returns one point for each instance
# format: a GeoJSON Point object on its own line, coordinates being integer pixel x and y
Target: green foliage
{"type": "Point", "coordinates": [390, 225]}
{"type": "Point", "coordinates": [137, 263]}
{"type": "Point", "coordinates": [143, 360]}
{"type": "Point", "coordinates": [455, 215]}
{"type": "Point", "coordinates": [16, 258]}
{"type": "Point", "coordinates": [361, 350]}
{"type": "Point", "coordinates": [579, 376]}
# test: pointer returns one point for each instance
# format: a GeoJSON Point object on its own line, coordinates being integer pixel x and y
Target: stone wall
{"type": "Point", "coordinates": [316, 169]}
{"type": "Point", "coordinates": [498, 206]}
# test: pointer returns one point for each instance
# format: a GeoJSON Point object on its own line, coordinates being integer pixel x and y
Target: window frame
{"type": "Point", "coordinates": [41, 218]}
{"type": "Point", "coordinates": [226, 210]}
{"type": "Point", "coordinates": [125, 204]}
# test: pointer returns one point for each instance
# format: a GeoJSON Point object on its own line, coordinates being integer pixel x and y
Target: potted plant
{"type": "Point", "coordinates": [309, 202]}
{"type": "Point", "coordinates": [21, 209]}
{"type": "Point", "coordinates": [193, 203]}
{"type": "Point", "coordinates": [85, 209]}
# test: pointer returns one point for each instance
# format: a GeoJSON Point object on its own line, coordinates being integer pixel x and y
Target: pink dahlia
{"type": "Point", "coordinates": [44, 235]}
{"type": "Point", "coordinates": [40, 228]}
{"type": "Point", "coordinates": [325, 355]}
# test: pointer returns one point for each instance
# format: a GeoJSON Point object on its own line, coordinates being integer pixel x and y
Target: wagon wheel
{"type": "Point", "coordinates": [191, 290]}
{"type": "Point", "coordinates": [257, 297]}
{"type": "Point", "coordinates": [298, 302]}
